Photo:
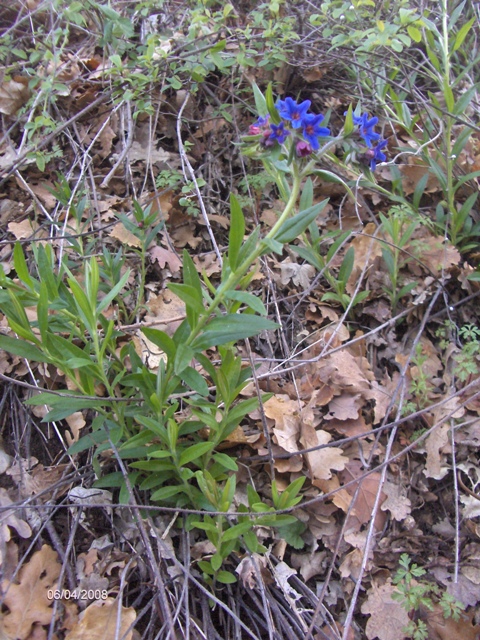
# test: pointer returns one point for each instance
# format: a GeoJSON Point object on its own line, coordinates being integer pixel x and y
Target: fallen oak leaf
{"type": "Point", "coordinates": [28, 601]}
{"type": "Point", "coordinates": [99, 622]}
{"type": "Point", "coordinates": [387, 616]}
{"type": "Point", "coordinates": [165, 256]}
{"type": "Point", "coordinates": [321, 461]}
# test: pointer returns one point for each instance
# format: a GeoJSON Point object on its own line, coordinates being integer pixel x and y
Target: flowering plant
{"type": "Point", "coordinates": [288, 130]}
{"type": "Point", "coordinates": [290, 140]}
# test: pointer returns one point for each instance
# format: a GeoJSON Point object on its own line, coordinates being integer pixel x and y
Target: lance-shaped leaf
{"type": "Point", "coordinates": [293, 227]}
{"type": "Point", "coordinates": [231, 328]}
{"type": "Point", "coordinates": [237, 229]}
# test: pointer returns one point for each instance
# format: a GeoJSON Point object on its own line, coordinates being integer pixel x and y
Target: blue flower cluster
{"type": "Point", "coordinates": [296, 120]}
{"type": "Point", "coordinates": [305, 131]}
{"type": "Point", "coordinates": [373, 155]}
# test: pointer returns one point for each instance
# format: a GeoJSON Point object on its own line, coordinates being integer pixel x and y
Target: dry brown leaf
{"type": "Point", "coordinates": [352, 564]}
{"type": "Point", "coordinates": [387, 616]}
{"type": "Point", "coordinates": [436, 465]}
{"type": "Point", "coordinates": [105, 139]}
{"type": "Point", "coordinates": [23, 229]}
{"type": "Point", "coordinates": [165, 256]}
{"type": "Point", "coordinates": [309, 564]}
{"type": "Point", "coordinates": [9, 561]}
{"type": "Point", "coordinates": [441, 628]}
{"type": "Point", "coordinates": [148, 351]}
{"type": "Point", "coordinates": [300, 274]}
{"type": "Point", "coordinates": [167, 309]}
{"type": "Point", "coordinates": [43, 193]}
{"type": "Point", "coordinates": [282, 572]}
{"type": "Point", "coordinates": [99, 622]}
{"type": "Point", "coordinates": [76, 422]}
{"type": "Point", "coordinates": [349, 427]}
{"type": "Point", "coordinates": [437, 255]}
{"type": "Point", "coordinates": [207, 263]}
{"type": "Point", "coordinates": [344, 407]}
{"type": "Point", "coordinates": [413, 172]}
{"type": "Point", "coordinates": [119, 232]}
{"type": "Point", "coordinates": [13, 95]}
{"type": "Point", "coordinates": [285, 413]}
{"type": "Point", "coordinates": [252, 569]}
{"type": "Point", "coordinates": [347, 372]}
{"type": "Point", "coordinates": [28, 601]}
{"type": "Point", "coordinates": [362, 508]}
{"type": "Point", "coordinates": [398, 504]}
{"type": "Point", "coordinates": [322, 461]}
{"type": "Point", "coordinates": [9, 519]}
{"type": "Point", "coordinates": [366, 250]}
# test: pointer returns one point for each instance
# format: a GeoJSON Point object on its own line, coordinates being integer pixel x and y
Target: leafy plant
{"type": "Point", "coordinates": [171, 448]}
{"type": "Point", "coordinates": [414, 594]}
{"type": "Point", "coordinates": [442, 39]}
{"type": "Point", "coordinates": [399, 228]}
{"type": "Point", "coordinates": [467, 358]}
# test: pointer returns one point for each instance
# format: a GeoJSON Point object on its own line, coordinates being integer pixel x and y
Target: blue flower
{"type": "Point", "coordinates": [262, 121]}
{"type": "Point", "coordinates": [376, 155]}
{"type": "Point", "coordinates": [293, 112]}
{"type": "Point", "coordinates": [278, 133]}
{"type": "Point", "coordinates": [312, 130]}
{"type": "Point", "coordinates": [365, 127]}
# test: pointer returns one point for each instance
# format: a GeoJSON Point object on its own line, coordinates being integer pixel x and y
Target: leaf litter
{"type": "Point", "coordinates": [326, 420]}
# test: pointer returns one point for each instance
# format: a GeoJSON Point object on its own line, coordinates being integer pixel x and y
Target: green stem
{"type": "Point", "coordinates": [234, 278]}
{"type": "Point", "coordinates": [449, 161]}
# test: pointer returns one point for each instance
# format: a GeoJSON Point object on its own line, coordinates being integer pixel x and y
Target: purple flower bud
{"type": "Point", "coordinates": [303, 149]}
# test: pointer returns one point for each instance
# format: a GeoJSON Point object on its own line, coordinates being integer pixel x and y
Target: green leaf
{"type": "Point", "coordinates": [114, 292]}
{"type": "Point", "coordinates": [272, 110]}
{"type": "Point", "coordinates": [216, 561]}
{"type": "Point", "coordinates": [232, 328]}
{"type": "Point", "coordinates": [237, 230]}
{"type": "Point", "coordinates": [260, 102]}
{"type": "Point", "coordinates": [190, 275]}
{"type": "Point", "coordinates": [449, 97]}
{"type": "Point", "coordinates": [194, 452]}
{"type": "Point", "coordinates": [464, 100]}
{"type": "Point", "coordinates": [295, 226]}
{"type": "Point", "coordinates": [250, 245]}
{"type": "Point", "coordinates": [274, 520]}
{"type": "Point", "coordinates": [20, 265]}
{"type": "Point", "coordinates": [42, 312]}
{"type": "Point", "coordinates": [306, 199]}
{"type": "Point", "coordinates": [161, 340]}
{"type": "Point", "coordinates": [347, 266]}
{"type": "Point", "coordinates": [183, 357]}
{"type": "Point", "coordinates": [349, 125]}
{"type": "Point", "coordinates": [83, 305]}
{"type": "Point", "coordinates": [461, 141]}
{"type": "Point", "coordinates": [249, 299]}
{"type": "Point", "coordinates": [236, 531]}
{"type": "Point", "coordinates": [226, 577]}
{"type": "Point", "coordinates": [62, 406]}
{"type": "Point", "coordinates": [414, 33]}
{"type": "Point", "coordinates": [206, 567]}
{"type": "Point", "coordinates": [188, 294]}
{"type": "Point", "coordinates": [225, 461]}
{"type": "Point", "coordinates": [195, 381]}
{"type": "Point", "coordinates": [462, 34]}
{"type": "Point", "coordinates": [23, 349]}
{"type": "Point", "coordinates": [271, 245]}
{"type": "Point", "coordinates": [154, 426]}
{"type": "Point", "coordinates": [165, 493]}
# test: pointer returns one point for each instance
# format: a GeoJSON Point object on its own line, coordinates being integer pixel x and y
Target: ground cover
{"type": "Point", "coordinates": [240, 335]}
